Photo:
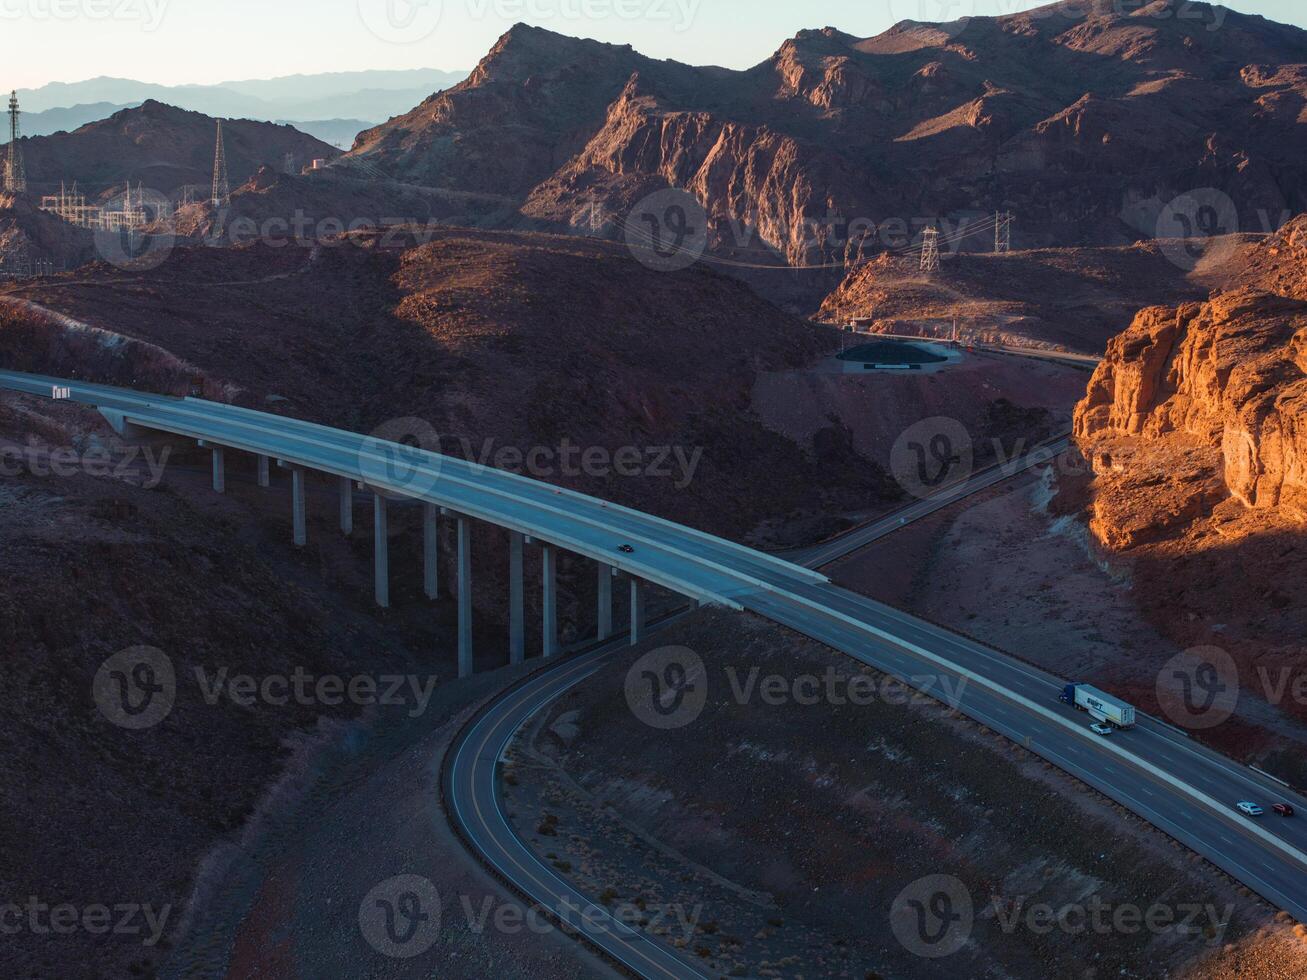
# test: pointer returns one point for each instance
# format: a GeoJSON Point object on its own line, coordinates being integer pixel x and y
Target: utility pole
{"type": "Point", "coordinates": [1002, 232]}
{"type": "Point", "coordinates": [930, 250]}
{"type": "Point", "coordinates": [221, 186]}
{"type": "Point", "coordinates": [15, 173]}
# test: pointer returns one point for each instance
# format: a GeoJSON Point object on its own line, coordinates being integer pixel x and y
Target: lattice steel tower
{"type": "Point", "coordinates": [15, 174]}
{"type": "Point", "coordinates": [930, 250]}
{"type": "Point", "coordinates": [1003, 232]}
{"type": "Point", "coordinates": [221, 186]}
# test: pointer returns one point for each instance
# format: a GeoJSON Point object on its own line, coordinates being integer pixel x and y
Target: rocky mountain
{"type": "Point", "coordinates": [1221, 385]}
{"type": "Point", "coordinates": [1195, 431]}
{"type": "Point", "coordinates": [1084, 118]}
{"type": "Point", "coordinates": [162, 147]}
{"type": "Point", "coordinates": [28, 235]}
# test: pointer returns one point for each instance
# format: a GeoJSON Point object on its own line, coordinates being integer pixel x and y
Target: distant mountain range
{"type": "Point", "coordinates": [332, 107]}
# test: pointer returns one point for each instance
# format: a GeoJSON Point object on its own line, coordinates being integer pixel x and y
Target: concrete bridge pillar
{"type": "Point", "coordinates": [219, 470]}
{"type": "Point", "coordinates": [430, 551]}
{"type": "Point", "coordinates": [264, 478]}
{"type": "Point", "coordinates": [516, 599]}
{"type": "Point", "coordinates": [346, 505]}
{"type": "Point", "coordinates": [297, 507]}
{"type": "Point", "coordinates": [465, 662]}
{"type": "Point", "coordinates": [381, 550]}
{"type": "Point", "coordinates": [637, 611]}
{"type": "Point", "coordinates": [549, 599]}
{"type": "Point", "coordinates": [605, 601]}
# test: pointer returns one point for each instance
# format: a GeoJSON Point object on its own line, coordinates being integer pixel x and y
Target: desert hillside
{"type": "Point", "coordinates": [1068, 298]}
{"type": "Point", "coordinates": [510, 340]}
{"type": "Point", "coordinates": [162, 147]}
{"type": "Point", "coordinates": [1082, 118]}
{"type": "Point", "coordinates": [1195, 427]}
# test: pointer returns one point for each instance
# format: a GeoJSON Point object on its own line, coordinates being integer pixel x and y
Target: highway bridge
{"type": "Point", "coordinates": [1181, 788]}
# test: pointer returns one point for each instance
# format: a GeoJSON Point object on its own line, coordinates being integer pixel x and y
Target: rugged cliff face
{"type": "Point", "coordinates": [1195, 429]}
{"type": "Point", "coordinates": [1222, 382]}
{"type": "Point", "coordinates": [1084, 118]}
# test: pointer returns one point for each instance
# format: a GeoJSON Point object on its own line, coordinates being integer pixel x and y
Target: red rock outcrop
{"type": "Point", "coordinates": [1225, 382]}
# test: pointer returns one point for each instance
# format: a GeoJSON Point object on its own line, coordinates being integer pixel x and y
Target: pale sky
{"type": "Point", "coordinates": [206, 41]}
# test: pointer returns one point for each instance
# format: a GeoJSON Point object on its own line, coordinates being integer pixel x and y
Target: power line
{"type": "Point", "coordinates": [646, 239]}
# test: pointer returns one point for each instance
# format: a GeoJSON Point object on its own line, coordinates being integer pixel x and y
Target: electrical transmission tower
{"type": "Point", "coordinates": [930, 250]}
{"type": "Point", "coordinates": [221, 185]}
{"type": "Point", "coordinates": [1003, 232]}
{"type": "Point", "coordinates": [15, 174]}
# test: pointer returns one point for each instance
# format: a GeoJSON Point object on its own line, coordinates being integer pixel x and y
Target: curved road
{"type": "Point", "coordinates": [1178, 786]}
{"type": "Point", "coordinates": [820, 555]}
{"type": "Point", "coordinates": [473, 798]}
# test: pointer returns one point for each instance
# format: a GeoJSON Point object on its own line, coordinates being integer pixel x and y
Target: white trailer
{"type": "Point", "coordinates": [1100, 705]}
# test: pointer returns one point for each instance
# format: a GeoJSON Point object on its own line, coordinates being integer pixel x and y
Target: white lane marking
{"type": "Point", "coordinates": [1105, 745]}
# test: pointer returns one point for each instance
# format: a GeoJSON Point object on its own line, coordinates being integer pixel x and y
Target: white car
{"type": "Point", "coordinates": [1251, 809]}
{"type": "Point", "coordinates": [1101, 729]}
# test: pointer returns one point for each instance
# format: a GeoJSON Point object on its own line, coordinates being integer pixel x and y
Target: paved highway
{"type": "Point", "coordinates": [845, 544]}
{"type": "Point", "coordinates": [474, 799]}
{"type": "Point", "coordinates": [1178, 786]}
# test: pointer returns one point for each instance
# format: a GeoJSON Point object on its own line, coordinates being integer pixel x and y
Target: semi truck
{"type": "Point", "coordinates": [1100, 705]}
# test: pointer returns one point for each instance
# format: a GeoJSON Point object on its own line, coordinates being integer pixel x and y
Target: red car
{"type": "Point", "coordinates": [1283, 809]}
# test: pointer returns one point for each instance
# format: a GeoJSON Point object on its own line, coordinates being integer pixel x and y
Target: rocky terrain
{"type": "Point", "coordinates": [1067, 298]}
{"type": "Point", "coordinates": [770, 836]}
{"type": "Point", "coordinates": [1083, 118]}
{"type": "Point", "coordinates": [1195, 426]}
{"type": "Point", "coordinates": [500, 343]}
{"type": "Point", "coordinates": [199, 818]}
{"type": "Point", "coordinates": [305, 209]}
{"type": "Point", "coordinates": [28, 232]}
